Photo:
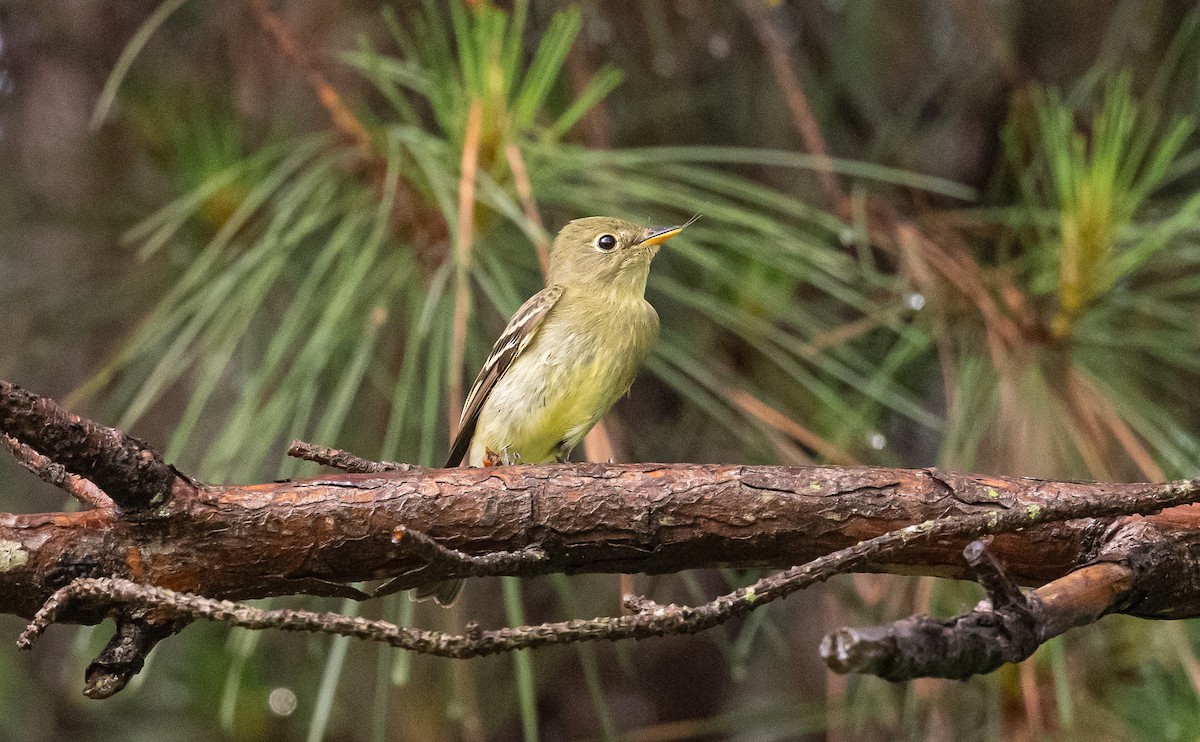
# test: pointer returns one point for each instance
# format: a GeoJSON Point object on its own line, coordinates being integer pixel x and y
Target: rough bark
{"type": "Point", "coordinates": [253, 541]}
{"type": "Point", "coordinates": [165, 549]}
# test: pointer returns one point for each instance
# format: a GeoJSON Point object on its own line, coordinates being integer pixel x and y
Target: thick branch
{"type": "Point", "coordinates": [285, 537]}
{"type": "Point", "coordinates": [315, 535]}
{"type": "Point", "coordinates": [181, 559]}
{"type": "Point", "coordinates": [648, 618]}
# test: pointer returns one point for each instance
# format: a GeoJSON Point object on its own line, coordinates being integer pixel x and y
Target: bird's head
{"type": "Point", "coordinates": [603, 251]}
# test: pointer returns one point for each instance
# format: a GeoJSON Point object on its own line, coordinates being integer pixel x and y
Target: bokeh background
{"type": "Point", "coordinates": [959, 233]}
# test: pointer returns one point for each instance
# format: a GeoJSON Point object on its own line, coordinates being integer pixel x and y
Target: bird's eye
{"type": "Point", "coordinates": [606, 242]}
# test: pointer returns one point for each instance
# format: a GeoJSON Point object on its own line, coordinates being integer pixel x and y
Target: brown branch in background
{"type": "Point", "coordinates": [1031, 699]}
{"type": "Point", "coordinates": [598, 445]}
{"type": "Point", "coordinates": [1008, 627]}
{"type": "Point", "coordinates": [650, 618]}
{"type": "Point", "coordinates": [464, 679]}
{"type": "Point", "coordinates": [464, 240]}
{"type": "Point", "coordinates": [516, 163]}
{"type": "Point", "coordinates": [125, 468]}
{"type": "Point", "coordinates": [343, 460]}
{"type": "Point", "coordinates": [87, 493]}
{"type": "Point", "coordinates": [468, 171]}
{"type": "Point", "coordinates": [784, 69]}
{"type": "Point", "coordinates": [984, 31]}
{"type": "Point", "coordinates": [343, 118]}
{"type": "Point", "coordinates": [1007, 327]}
{"type": "Point", "coordinates": [776, 420]}
{"type": "Point", "coordinates": [597, 124]}
{"type": "Point", "coordinates": [1086, 396]}
{"type": "Point", "coordinates": [412, 215]}
{"type": "Point", "coordinates": [851, 329]}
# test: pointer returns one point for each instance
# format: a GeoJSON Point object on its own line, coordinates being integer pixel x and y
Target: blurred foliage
{"type": "Point", "coordinates": [1010, 282]}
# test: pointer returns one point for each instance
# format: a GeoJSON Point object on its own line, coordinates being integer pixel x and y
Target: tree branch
{"type": "Point", "coordinates": [412, 216]}
{"type": "Point", "coordinates": [651, 619]}
{"type": "Point", "coordinates": [209, 544]}
{"type": "Point", "coordinates": [783, 67]}
{"type": "Point", "coordinates": [277, 538]}
{"type": "Point", "coordinates": [1007, 627]}
{"type": "Point", "coordinates": [124, 656]}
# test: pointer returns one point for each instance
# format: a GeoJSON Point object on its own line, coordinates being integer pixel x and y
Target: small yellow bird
{"type": "Point", "coordinates": [566, 356]}
{"type": "Point", "coordinates": [569, 352]}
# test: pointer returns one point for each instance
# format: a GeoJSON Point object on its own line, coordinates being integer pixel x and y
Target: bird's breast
{"type": "Point", "coordinates": [579, 364]}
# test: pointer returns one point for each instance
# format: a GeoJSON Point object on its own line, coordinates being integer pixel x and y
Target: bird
{"type": "Point", "coordinates": [567, 355]}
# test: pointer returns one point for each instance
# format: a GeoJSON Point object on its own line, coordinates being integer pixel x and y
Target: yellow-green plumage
{"type": "Point", "coordinates": [570, 352]}
{"type": "Point", "coordinates": [582, 360]}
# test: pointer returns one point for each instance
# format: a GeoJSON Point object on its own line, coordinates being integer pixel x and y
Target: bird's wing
{"type": "Point", "coordinates": [515, 338]}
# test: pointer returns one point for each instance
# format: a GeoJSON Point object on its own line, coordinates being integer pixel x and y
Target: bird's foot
{"type": "Point", "coordinates": [504, 458]}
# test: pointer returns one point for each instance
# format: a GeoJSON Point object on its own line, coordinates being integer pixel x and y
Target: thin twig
{"type": "Point", "coordinates": [344, 120]}
{"type": "Point", "coordinates": [83, 490]}
{"type": "Point", "coordinates": [649, 618]}
{"type": "Point", "coordinates": [344, 460]}
{"type": "Point", "coordinates": [442, 563]}
{"type": "Point", "coordinates": [626, 585]}
{"type": "Point", "coordinates": [1000, 588]}
{"type": "Point", "coordinates": [496, 563]}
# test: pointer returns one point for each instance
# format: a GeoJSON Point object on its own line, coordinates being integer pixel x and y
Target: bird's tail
{"type": "Point", "coordinates": [443, 593]}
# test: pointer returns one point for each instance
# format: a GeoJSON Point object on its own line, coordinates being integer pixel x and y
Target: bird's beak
{"type": "Point", "coordinates": [658, 235]}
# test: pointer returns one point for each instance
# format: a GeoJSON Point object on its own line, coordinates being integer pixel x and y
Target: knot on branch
{"type": "Point", "coordinates": [125, 468]}
{"type": "Point", "coordinates": [1162, 562]}
{"type": "Point", "coordinates": [124, 656]}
